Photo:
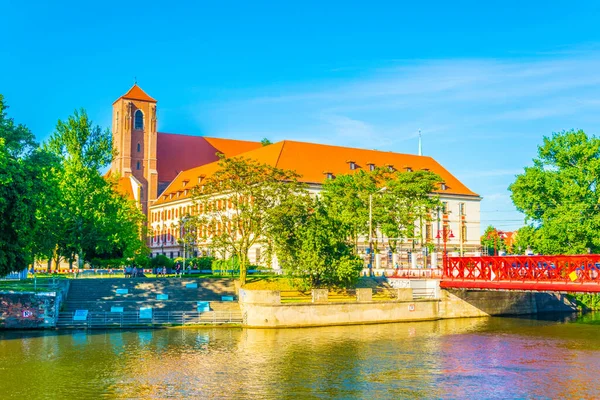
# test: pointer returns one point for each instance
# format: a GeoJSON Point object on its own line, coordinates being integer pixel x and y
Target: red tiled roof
{"type": "Point", "coordinates": [176, 153]}
{"type": "Point", "coordinates": [312, 161]}
{"type": "Point", "coordinates": [136, 93]}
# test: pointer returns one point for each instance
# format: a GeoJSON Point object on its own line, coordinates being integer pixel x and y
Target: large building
{"type": "Point", "coordinates": [160, 169]}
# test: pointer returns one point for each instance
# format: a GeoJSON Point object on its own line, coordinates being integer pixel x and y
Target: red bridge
{"type": "Point", "coordinates": [579, 273]}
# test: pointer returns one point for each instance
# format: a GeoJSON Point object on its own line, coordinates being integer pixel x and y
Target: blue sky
{"type": "Point", "coordinates": [483, 82]}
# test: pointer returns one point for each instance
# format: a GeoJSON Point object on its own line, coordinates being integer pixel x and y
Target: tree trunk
{"type": "Point", "coordinates": [243, 269]}
{"type": "Point", "coordinates": [50, 264]}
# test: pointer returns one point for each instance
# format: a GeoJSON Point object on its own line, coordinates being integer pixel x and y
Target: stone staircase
{"type": "Point", "coordinates": [98, 296]}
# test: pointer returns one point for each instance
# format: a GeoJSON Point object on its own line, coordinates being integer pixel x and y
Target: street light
{"type": "Point", "coordinates": [445, 234]}
{"type": "Point", "coordinates": [383, 189]}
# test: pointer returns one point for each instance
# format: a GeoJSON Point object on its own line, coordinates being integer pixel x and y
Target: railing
{"type": "Point", "coordinates": [563, 272]}
{"type": "Point", "coordinates": [158, 318]}
{"type": "Point", "coordinates": [435, 273]}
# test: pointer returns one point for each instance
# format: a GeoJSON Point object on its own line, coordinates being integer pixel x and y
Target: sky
{"type": "Point", "coordinates": [483, 81]}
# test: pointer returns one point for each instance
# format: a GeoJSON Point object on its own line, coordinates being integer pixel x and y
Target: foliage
{"type": "Point", "coordinates": [586, 301]}
{"type": "Point", "coordinates": [161, 261]}
{"type": "Point", "coordinates": [237, 203]}
{"type": "Point", "coordinates": [24, 191]}
{"type": "Point", "coordinates": [492, 241]}
{"type": "Point", "coordinates": [265, 142]}
{"type": "Point", "coordinates": [400, 201]}
{"type": "Point", "coordinates": [223, 266]}
{"type": "Point", "coordinates": [202, 263]}
{"type": "Point", "coordinates": [312, 245]}
{"type": "Point", "coordinates": [559, 194]}
{"type": "Point", "coordinates": [96, 222]}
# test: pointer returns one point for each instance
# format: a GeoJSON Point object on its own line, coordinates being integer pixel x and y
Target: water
{"type": "Point", "coordinates": [465, 358]}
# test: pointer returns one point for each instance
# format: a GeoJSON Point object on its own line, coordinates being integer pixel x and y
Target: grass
{"type": "Point", "coordinates": [27, 285]}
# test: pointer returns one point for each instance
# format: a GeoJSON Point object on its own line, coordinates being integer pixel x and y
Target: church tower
{"type": "Point", "coordinates": [134, 138]}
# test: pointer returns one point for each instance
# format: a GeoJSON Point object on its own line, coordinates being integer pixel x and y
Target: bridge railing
{"type": "Point", "coordinates": [565, 269]}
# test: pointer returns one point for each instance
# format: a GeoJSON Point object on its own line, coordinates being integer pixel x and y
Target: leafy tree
{"type": "Point", "coordinates": [237, 203]}
{"type": "Point", "coordinates": [161, 261]}
{"type": "Point", "coordinates": [492, 241]}
{"type": "Point", "coordinates": [559, 194]}
{"type": "Point", "coordinates": [24, 190]}
{"type": "Point", "coordinates": [347, 200]}
{"type": "Point", "coordinates": [265, 142]}
{"type": "Point", "coordinates": [313, 245]}
{"type": "Point", "coordinates": [406, 201]}
{"type": "Point", "coordinates": [97, 222]}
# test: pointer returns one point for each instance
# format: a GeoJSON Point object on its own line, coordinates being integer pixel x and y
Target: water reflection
{"type": "Point", "coordinates": [545, 357]}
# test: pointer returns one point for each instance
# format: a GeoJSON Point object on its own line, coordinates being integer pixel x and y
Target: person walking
{"type": "Point", "coordinates": [178, 270]}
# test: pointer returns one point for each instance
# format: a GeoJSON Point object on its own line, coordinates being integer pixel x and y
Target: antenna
{"type": "Point", "coordinates": [420, 145]}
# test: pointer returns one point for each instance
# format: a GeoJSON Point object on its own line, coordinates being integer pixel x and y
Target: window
{"type": "Point", "coordinates": [461, 208]}
{"type": "Point", "coordinates": [445, 207]}
{"type": "Point", "coordinates": [428, 232]}
{"type": "Point", "coordinates": [138, 165]}
{"type": "Point", "coordinates": [138, 120]}
{"type": "Point", "coordinates": [329, 175]}
{"type": "Point", "coordinates": [408, 169]}
{"type": "Point", "coordinates": [444, 186]}
{"type": "Point", "coordinates": [390, 167]}
{"type": "Point", "coordinates": [352, 165]}
{"type": "Point", "coordinates": [371, 166]}
{"type": "Point", "coordinates": [464, 233]}
{"type": "Point", "coordinates": [139, 147]}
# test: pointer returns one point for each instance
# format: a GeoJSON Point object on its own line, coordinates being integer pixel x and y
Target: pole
{"type": "Point", "coordinates": [370, 234]}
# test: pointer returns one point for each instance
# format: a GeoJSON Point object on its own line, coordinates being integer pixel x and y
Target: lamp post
{"type": "Point", "coordinates": [383, 189]}
{"type": "Point", "coordinates": [446, 233]}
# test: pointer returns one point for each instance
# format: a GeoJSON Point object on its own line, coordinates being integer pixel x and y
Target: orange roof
{"type": "Point", "coordinates": [136, 93]}
{"type": "Point", "coordinates": [124, 188]}
{"type": "Point", "coordinates": [312, 161]}
{"type": "Point", "coordinates": [176, 153]}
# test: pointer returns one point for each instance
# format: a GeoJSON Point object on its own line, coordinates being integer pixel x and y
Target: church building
{"type": "Point", "coordinates": [158, 170]}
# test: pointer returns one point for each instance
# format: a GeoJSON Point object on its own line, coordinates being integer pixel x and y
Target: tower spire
{"type": "Point", "coordinates": [420, 145]}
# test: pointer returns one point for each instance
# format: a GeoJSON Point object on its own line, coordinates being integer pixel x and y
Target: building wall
{"type": "Point", "coordinates": [165, 221]}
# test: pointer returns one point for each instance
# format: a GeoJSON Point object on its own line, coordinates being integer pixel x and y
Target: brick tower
{"type": "Point", "coordinates": [134, 138]}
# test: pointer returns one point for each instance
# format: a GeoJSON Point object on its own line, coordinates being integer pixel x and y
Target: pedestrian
{"type": "Point", "coordinates": [178, 270]}
{"type": "Point", "coordinates": [164, 271]}
{"type": "Point", "coordinates": [134, 272]}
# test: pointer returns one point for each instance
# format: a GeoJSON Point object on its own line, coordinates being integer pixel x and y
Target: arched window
{"type": "Point", "coordinates": [138, 165]}
{"type": "Point", "coordinates": [139, 147]}
{"type": "Point", "coordinates": [138, 120]}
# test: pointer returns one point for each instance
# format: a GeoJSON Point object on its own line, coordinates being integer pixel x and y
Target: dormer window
{"type": "Point", "coordinates": [408, 169]}
{"type": "Point", "coordinates": [171, 196]}
{"type": "Point", "coordinates": [444, 187]}
{"type": "Point", "coordinates": [328, 175]}
{"type": "Point", "coordinates": [371, 166]}
{"type": "Point", "coordinates": [426, 169]}
{"type": "Point", "coordinates": [390, 167]}
{"type": "Point", "coordinates": [184, 183]}
{"type": "Point", "coordinates": [200, 178]}
{"type": "Point", "coordinates": [352, 165]}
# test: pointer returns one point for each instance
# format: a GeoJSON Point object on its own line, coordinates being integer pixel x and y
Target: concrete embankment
{"type": "Point", "coordinates": [263, 309]}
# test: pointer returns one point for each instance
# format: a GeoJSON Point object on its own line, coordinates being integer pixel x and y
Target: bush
{"type": "Point", "coordinates": [161, 261]}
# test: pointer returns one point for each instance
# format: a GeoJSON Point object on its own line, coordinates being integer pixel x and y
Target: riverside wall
{"type": "Point", "coordinates": [29, 310]}
{"type": "Point", "coordinates": [263, 309]}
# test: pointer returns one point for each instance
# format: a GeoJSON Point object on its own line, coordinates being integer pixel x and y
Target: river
{"type": "Point", "coordinates": [546, 357]}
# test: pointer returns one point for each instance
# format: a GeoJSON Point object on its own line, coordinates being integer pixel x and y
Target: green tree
{"type": "Point", "coordinates": [408, 202]}
{"type": "Point", "coordinates": [312, 245]}
{"type": "Point", "coordinates": [559, 194]}
{"type": "Point", "coordinates": [238, 201]}
{"type": "Point", "coordinates": [24, 190]}
{"type": "Point", "coordinates": [97, 222]}
{"type": "Point", "coordinates": [492, 241]}
{"type": "Point", "coordinates": [265, 142]}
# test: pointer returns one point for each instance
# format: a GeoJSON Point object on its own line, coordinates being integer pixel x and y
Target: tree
{"type": "Point", "coordinates": [237, 203]}
{"type": "Point", "coordinates": [313, 245]}
{"type": "Point", "coordinates": [23, 188]}
{"type": "Point", "coordinates": [265, 142]}
{"type": "Point", "coordinates": [559, 194]}
{"type": "Point", "coordinates": [97, 222]}
{"type": "Point", "coordinates": [407, 201]}
{"type": "Point", "coordinates": [492, 241]}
